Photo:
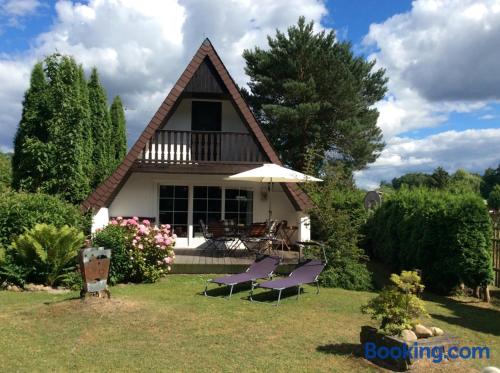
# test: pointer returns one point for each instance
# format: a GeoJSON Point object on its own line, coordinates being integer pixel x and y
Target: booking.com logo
{"type": "Point", "coordinates": [435, 353]}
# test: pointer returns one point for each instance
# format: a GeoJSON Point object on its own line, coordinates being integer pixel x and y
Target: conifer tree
{"type": "Point", "coordinates": [68, 128]}
{"type": "Point", "coordinates": [118, 132]}
{"type": "Point", "coordinates": [101, 129]}
{"type": "Point", "coordinates": [315, 98]}
{"type": "Point", "coordinates": [29, 162]}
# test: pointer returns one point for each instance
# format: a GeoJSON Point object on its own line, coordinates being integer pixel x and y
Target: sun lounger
{"type": "Point", "coordinates": [305, 273]}
{"type": "Point", "coordinates": [262, 268]}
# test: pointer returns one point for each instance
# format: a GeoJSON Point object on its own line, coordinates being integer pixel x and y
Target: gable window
{"type": "Point", "coordinates": [206, 116]}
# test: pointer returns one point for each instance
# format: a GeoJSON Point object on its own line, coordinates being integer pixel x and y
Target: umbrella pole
{"type": "Point", "coordinates": [270, 190]}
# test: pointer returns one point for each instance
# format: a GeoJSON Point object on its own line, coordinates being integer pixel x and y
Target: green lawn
{"type": "Point", "coordinates": [168, 326]}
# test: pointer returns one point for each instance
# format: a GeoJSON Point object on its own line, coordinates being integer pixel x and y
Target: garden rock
{"type": "Point", "coordinates": [421, 331]}
{"type": "Point", "coordinates": [14, 288]}
{"type": "Point", "coordinates": [408, 335]}
{"type": "Point", "coordinates": [436, 331]}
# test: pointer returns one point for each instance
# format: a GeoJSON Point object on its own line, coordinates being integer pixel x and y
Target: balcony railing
{"type": "Point", "coordinates": [188, 147]}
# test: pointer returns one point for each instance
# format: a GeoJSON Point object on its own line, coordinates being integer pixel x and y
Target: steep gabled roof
{"type": "Point", "coordinates": [104, 194]}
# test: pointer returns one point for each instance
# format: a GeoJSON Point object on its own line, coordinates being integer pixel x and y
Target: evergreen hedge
{"type": "Point", "coordinates": [446, 235]}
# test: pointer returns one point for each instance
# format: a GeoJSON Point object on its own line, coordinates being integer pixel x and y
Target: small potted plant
{"type": "Point", "coordinates": [400, 336]}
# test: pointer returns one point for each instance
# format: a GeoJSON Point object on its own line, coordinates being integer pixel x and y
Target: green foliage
{"type": "Point", "coordinates": [118, 148]}
{"type": "Point", "coordinates": [312, 95]}
{"type": "Point", "coordinates": [491, 177]}
{"type": "Point", "coordinates": [140, 252]}
{"type": "Point", "coordinates": [116, 238]}
{"type": "Point", "coordinates": [494, 198]}
{"type": "Point", "coordinates": [447, 235]}
{"type": "Point", "coordinates": [465, 182]}
{"type": "Point", "coordinates": [65, 129]}
{"type": "Point", "coordinates": [397, 306]}
{"type": "Point", "coordinates": [5, 172]}
{"type": "Point", "coordinates": [337, 217]}
{"type": "Point", "coordinates": [47, 251]}
{"type": "Point", "coordinates": [101, 126]}
{"type": "Point", "coordinates": [21, 211]}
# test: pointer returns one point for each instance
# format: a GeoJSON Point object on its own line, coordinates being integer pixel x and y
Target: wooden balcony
{"type": "Point", "coordinates": [168, 147]}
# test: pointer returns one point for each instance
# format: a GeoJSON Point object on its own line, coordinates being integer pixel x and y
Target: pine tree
{"type": "Point", "coordinates": [30, 160]}
{"type": "Point", "coordinates": [101, 129]}
{"type": "Point", "coordinates": [315, 99]}
{"type": "Point", "coordinates": [118, 132]}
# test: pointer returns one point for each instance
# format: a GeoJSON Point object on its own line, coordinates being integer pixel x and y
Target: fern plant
{"type": "Point", "coordinates": [48, 251]}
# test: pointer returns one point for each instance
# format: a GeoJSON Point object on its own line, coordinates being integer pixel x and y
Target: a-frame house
{"type": "Point", "coordinates": [175, 172]}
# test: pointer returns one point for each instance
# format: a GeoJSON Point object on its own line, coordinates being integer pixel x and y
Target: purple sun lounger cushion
{"type": "Point", "coordinates": [259, 269]}
{"type": "Point", "coordinates": [306, 273]}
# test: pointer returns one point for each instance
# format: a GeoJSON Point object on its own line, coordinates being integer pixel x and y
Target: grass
{"type": "Point", "coordinates": [168, 326]}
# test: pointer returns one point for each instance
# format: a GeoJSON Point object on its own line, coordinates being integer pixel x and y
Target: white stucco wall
{"type": "Point", "coordinates": [181, 119]}
{"type": "Point", "coordinates": [100, 219]}
{"type": "Point", "coordinates": [139, 197]}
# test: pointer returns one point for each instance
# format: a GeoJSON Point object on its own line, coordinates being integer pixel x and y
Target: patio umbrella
{"type": "Point", "coordinates": [272, 173]}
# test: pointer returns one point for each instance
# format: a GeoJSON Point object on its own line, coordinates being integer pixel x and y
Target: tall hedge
{"type": "Point", "coordinates": [446, 235]}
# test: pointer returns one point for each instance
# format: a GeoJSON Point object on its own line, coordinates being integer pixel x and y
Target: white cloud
{"type": "Point", "coordinates": [141, 47]}
{"type": "Point", "coordinates": [441, 57]}
{"type": "Point", "coordinates": [474, 150]}
{"type": "Point", "coordinates": [19, 8]}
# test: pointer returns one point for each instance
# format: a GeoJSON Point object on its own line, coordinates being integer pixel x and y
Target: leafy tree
{"type": "Point", "coordinates": [312, 95]}
{"type": "Point", "coordinates": [494, 198]}
{"type": "Point", "coordinates": [101, 129]}
{"type": "Point", "coordinates": [440, 178]}
{"type": "Point", "coordinates": [412, 180]}
{"type": "Point", "coordinates": [5, 172]}
{"type": "Point", "coordinates": [337, 217]}
{"type": "Point", "coordinates": [463, 181]}
{"type": "Point", "coordinates": [118, 132]}
{"type": "Point", "coordinates": [490, 178]}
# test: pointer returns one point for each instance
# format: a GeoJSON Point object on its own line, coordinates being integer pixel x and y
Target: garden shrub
{"type": "Point", "coordinates": [398, 306]}
{"type": "Point", "coordinates": [337, 218]}
{"type": "Point", "coordinates": [446, 235]}
{"type": "Point", "coordinates": [21, 211]}
{"type": "Point", "coordinates": [47, 252]}
{"type": "Point", "coordinates": [140, 252]}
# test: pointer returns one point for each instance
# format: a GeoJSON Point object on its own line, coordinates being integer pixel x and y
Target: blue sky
{"type": "Point", "coordinates": [443, 103]}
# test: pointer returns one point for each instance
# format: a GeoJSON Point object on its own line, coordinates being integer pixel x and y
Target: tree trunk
{"type": "Point", "coordinates": [477, 292]}
{"type": "Point", "coordinates": [486, 294]}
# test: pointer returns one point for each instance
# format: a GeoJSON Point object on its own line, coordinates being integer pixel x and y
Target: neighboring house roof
{"type": "Point", "coordinates": [104, 193]}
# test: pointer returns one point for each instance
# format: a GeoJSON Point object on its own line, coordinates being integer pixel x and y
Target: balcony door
{"type": "Point", "coordinates": [206, 124]}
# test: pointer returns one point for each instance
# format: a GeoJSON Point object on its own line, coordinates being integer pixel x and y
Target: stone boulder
{"type": "Point", "coordinates": [436, 331]}
{"type": "Point", "coordinates": [408, 336]}
{"type": "Point", "coordinates": [421, 331]}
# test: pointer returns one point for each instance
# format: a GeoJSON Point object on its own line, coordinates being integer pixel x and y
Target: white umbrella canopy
{"type": "Point", "coordinates": [272, 173]}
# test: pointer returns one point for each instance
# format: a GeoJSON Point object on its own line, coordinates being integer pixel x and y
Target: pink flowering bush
{"type": "Point", "coordinates": [141, 252]}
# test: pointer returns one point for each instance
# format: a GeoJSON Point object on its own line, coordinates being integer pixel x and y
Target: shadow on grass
{"type": "Point", "coordinates": [468, 316]}
{"type": "Point", "coordinates": [223, 291]}
{"type": "Point", "coordinates": [271, 296]}
{"type": "Point", "coordinates": [341, 349]}
{"type": "Point", "coordinates": [69, 299]}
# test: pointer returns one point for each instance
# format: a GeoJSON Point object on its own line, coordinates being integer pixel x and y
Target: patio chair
{"type": "Point", "coordinates": [263, 267]}
{"type": "Point", "coordinates": [215, 234]}
{"type": "Point", "coordinates": [255, 236]}
{"type": "Point", "coordinates": [305, 273]}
